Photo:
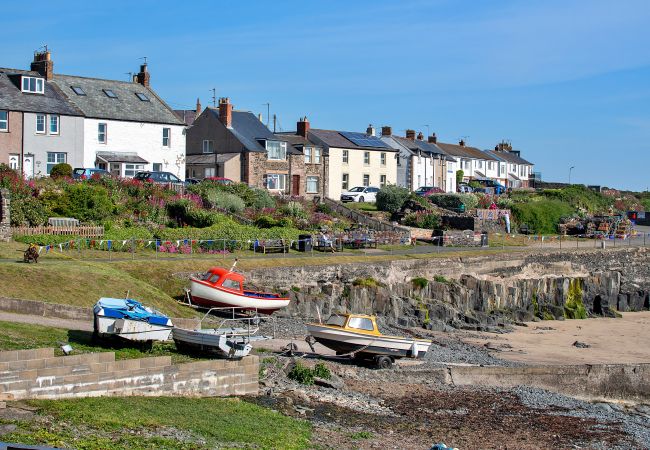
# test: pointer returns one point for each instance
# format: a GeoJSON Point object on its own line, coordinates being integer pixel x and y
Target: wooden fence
{"type": "Point", "coordinates": [59, 231]}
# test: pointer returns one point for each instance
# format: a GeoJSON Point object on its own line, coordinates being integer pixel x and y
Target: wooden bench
{"type": "Point", "coordinates": [271, 245]}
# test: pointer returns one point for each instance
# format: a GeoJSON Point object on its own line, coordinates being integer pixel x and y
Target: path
{"type": "Point", "coordinates": [68, 324]}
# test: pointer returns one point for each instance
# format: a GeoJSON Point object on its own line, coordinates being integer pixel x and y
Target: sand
{"type": "Point", "coordinates": [611, 341]}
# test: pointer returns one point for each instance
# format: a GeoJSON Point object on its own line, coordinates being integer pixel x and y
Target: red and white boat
{"type": "Point", "coordinates": [223, 287]}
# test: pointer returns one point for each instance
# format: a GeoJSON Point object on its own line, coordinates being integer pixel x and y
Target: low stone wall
{"type": "Point", "coordinates": [600, 381]}
{"type": "Point", "coordinates": [5, 215]}
{"type": "Point", "coordinates": [36, 374]}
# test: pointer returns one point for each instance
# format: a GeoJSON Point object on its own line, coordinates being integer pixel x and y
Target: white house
{"type": "Point", "coordinates": [514, 171]}
{"type": "Point", "coordinates": [474, 163]}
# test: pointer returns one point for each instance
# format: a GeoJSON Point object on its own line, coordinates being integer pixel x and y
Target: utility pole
{"type": "Point", "coordinates": [570, 169]}
{"type": "Point", "coordinates": [214, 97]}
{"type": "Point", "coordinates": [268, 113]}
{"type": "Point", "coordinates": [275, 119]}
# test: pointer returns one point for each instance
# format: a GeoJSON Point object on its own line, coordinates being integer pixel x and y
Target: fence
{"type": "Point", "coordinates": [59, 231]}
{"type": "Point", "coordinates": [361, 218]}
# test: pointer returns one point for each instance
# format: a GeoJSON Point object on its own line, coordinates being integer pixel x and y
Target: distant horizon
{"type": "Point", "coordinates": [565, 82]}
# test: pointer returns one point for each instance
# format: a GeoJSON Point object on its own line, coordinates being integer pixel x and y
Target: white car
{"type": "Point", "coordinates": [360, 194]}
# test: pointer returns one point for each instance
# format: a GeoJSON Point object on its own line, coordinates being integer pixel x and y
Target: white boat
{"type": "Point", "coordinates": [129, 319]}
{"type": "Point", "coordinates": [358, 335]}
{"type": "Point", "coordinates": [227, 340]}
{"type": "Point", "coordinates": [220, 287]}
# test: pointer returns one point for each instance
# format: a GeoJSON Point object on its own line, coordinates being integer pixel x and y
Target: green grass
{"type": "Point", "coordinates": [363, 206]}
{"type": "Point", "coordinates": [19, 336]}
{"type": "Point", "coordinates": [138, 423]}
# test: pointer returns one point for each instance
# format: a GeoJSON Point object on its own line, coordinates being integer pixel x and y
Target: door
{"type": "Point", "coordinates": [295, 185]}
{"type": "Point", "coordinates": [116, 169]}
{"type": "Point", "coordinates": [28, 166]}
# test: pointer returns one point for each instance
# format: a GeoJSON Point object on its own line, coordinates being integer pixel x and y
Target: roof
{"type": "Point", "coordinates": [127, 106]}
{"type": "Point", "coordinates": [297, 142]}
{"type": "Point", "coordinates": [507, 157]}
{"type": "Point", "coordinates": [333, 138]}
{"type": "Point", "coordinates": [188, 116]}
{"type": "Point", "coordinates": [126, 157]}
{"type": "Point", "coordinates": [208, 158]}
{"type": "Point", "coordinates": [12, 98]}
{"type": "Point", "coordinates": [464, 151]}
{"type": "Point", "coordinates": [248, 129]}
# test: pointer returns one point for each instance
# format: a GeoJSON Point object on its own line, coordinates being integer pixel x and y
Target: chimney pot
{"type": "Point", "coordinates": [143, 77]}
{"type": "Point", "coordinates": [433, 139]}
{"type": "Point", "coordinates": [370, 131]}
{"type": "Point", "coordinates": [420, 136]}
{"type": "Point", "coordinates": [386, 131]}
{"type": "Point", "coordinates": [225, 112]}
{"type": "Point", "coordinates": [410, 134]}
{"type": "Point", "coordinates": [198, 107]}
{"type": "Point", "coordinates": [302, 127]}
{"type": "Point", "coordinates": [461, 143]}
{"type": "Point", "coordinates": [43, 64]}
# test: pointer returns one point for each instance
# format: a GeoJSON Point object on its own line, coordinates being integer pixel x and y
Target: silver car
{"type": "Point", "coordinates": [360, 194]}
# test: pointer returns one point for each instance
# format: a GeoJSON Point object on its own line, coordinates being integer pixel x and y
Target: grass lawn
{"type": "Point", "coordinates": [20, 336]}
{"type": "Point", "coordinates": [362, 206]}
{"type": "Point", "coordinates": [155, 423]}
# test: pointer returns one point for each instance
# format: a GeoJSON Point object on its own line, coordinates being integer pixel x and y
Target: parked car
{"type": "Point", "coordinates": [190, 181]}
{"type": "Point", "coordinates": [492, 187]}
{"type": "Point", "coordinates": [360, 194]}
{"type": "Point", "coordinates": [83, 174]}
{"type": "Point", "coordinates": [464, 189]}
{"type": "Point", "coordinates": [157, 177]}
{"type": "Point", "coordinates": [220, 180]}
{"type": "Point", "coordinates": [425, 191]}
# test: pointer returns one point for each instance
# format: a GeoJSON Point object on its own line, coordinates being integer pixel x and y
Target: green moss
{"type": "Point", "coordinates": [535, 305]}
{"type": "Point", "coordinates": [547, 315]}
{"type": "Point", "coordinates": [573, 306]}
{"type": "Point", "coordinates": [295, 288]}
{"type": "Point", "coordinates": [419, 283]}
{"type": "Point", "coordinates": [440, 279]}
{"type": "Point", "coordinates": [368, 282]}
{"type": "Point", "coordinates": [422, 307]}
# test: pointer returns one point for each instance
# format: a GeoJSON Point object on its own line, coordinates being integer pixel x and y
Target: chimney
{"type": "Point", "coordinates": [410, 134]}
{"type": "Point", "coordinates": [43, 64]}
{"type": "Point", "coordinates": [143, 76]}
{"type": "Point", "coordinates": [259, 117]}
{"type": "Point", "coordinates": [461, 143]}
{"type": "Point", "coordinates": [302, 127]}
{"type": "Point", "coordinates": [198, 107]}
{"type": "Point", "coordinates": [433, 139]}
{"type": "Point", "coordinates": [225, 112]}
{"type": "Point", "coordinates": [386, 131]}
{"type": "Point", "coordinates": [370, 131]}
{"type": "Point", "coordinates": [420, 136]}
{"type": "Point", "coordinates": [496, 148]}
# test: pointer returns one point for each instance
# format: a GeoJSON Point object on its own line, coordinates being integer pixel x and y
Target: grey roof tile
{"type": "Point", "coordinates": [465, 151]}
{"type": "Point", "coordinates": [508, 157]}
{"type": "Point", "coordinates": [333, 138]}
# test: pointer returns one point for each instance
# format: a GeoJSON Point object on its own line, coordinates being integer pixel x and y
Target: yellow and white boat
{"type": "Point", "coordinates": [359, 336]}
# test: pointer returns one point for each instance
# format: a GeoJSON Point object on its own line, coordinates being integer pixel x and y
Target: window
{"type": "Point", "coordinates": [382, 180]}
{"type": "Point", "coordinates": [468, 164]}
{"type": "Point", "coordinates": [307, 152]}
{"type": "Point", "coordinates": [480, 164]}
{"type": "Point", "coordinates": [101, 133]}
{"type": "Point", "coordinates": [33, 85]}
{"type": "Point", "coordinates": [339, 321]}
{"type": "Point", "coordinates": [317, 156]}
{"type": "Point", "coordinates": [208, 146]}
{"type": "Point", "coordinates": [142, 97]}
{"type": "Point", "coordinates": [276, 181]}
{"type": "Point", "coordinates": [366, 158]}
{"type": "Point", "coordinates": [53, 159]}
{"type": "Point", "coordinates": [489, 165]}
{"type": "Point", "coordinates": [208, 172]}
{"type": "Point", "coordinates": [231, 284]}
{"type": "Point", "coordinates": [383, 158]}
{"type": "Point", "coordinates": [78, 90]}
{"type": "Point", "coordinates": [276, 150]}
{"type": "Point", "coordinates": [131, 169]}
{"type": "Point", "coordinates": [345, 182]}
{"type": "Point", "coordinates": [157, 167]}
{"type": "Point", "coordinates": [360, 323]}
{"type": "Point", "coordinates": [54, 124]}
{"type": "Point", "coordinates": [4, 120]}
{"type": "Point", "coordinates": [109, 93]}
{"type": "Point", "coordinates": [40, 123]}
{"type": "Point", "coordinates": [312, 185]}
{"type": "Point", "coordinates": [101, 165]}
{"type": "Point", "coordinates": [13, 161]}
{"type": "Point", "coordinates": [366, 180]}
{"type": "Point", "coordinates": [167, 132]}
{"type": "Point", "coordinates": [346, 156]}
{"type": "Point", "coordinates": [399, 162]}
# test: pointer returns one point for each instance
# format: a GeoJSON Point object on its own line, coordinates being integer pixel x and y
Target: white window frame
{"type": "Point", "coordinates": [366, 180]}
{"type": "Point", "coordinates": [131, 169]}
{"type": "Point", "coordinates": [281, 151]}
{"type": "Point", "coordinates": [307, 152]}
{"type": "Point", "coordinates": [32, 85]}
{"type": "Point", "coordinates": [57, 158]}
{"type": "Point", "coordinates": [382, 180]}
{"type": "Point", "coordinates": [54, 119]}
{"type": "Point", "coordinates": [346, 156]}
{"type": "Point", "coordinates": [280, 184]}
{"type": "Point", "coordinates": [166, 140]}
{"type": "Point", "coordinates": [101, 133]}
{"type": "Point", "coordinates": [208, 145]}
{"type": "Point", "coordinates": [345, 181]}
{"type": "Point", "coordinates": [311, 180]}
{"type": "Point", "coordinates": [157, 167]}
{"type": "Point", "coordinates": [317, 155]}
{"type": "Point", "coordinates": [383, 158]}
{"type": "Point", "coordinates": [208, 172]}
{"type": "Point", "coordinates": [366, 158]}
{"type": "Point", "coordinates": [44, 129]}
{"type": "Point", "coordinates": [4, 123]}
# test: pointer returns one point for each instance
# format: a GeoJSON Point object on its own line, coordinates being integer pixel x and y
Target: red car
{"type": "Point", "coordinates": [425, 191]}
{"type": "Point", "coordinates": [220, 180]}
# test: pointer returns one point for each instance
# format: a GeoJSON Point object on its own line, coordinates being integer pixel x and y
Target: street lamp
{"type": "Point", "coordinates": [570, 169]}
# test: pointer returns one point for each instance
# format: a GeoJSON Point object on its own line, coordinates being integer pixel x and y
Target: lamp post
{"type": "Point", "coordinates": [570, 169]}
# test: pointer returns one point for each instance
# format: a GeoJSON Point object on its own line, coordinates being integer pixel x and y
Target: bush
{"type": "Point", "coordinates": [301, 374]}
{"type": "Point", "coordinates": [419, 283]}
{"type": "Point", "coordinates": [581, 197]}
{"type": "Point", "coordinates": [542, 216]}
{"type": "Point", "coordinates": [469, 200]}
{"type": "Point", "coordinates": [391, 198]}
{"type": "Point", "coordinates": [62, 170]}
{"type": "Point", "coordinates": [27, 210]}
{"type": "Point", "coordinates": [459, 176]}
{"type": "Point", "coordinates": [322, 371]}
{"type": "Point", "coordinates": [422, 219]}
{"type": "Point", "coordinates": [83, 201]}
{"type": "Point", "coordinates": [227, 201]}
{"type": "Point", "coordinates": [294, 209]}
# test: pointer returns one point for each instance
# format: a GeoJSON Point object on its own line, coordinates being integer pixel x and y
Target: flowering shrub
{"type": "Point", "coordinates": [422, 219]}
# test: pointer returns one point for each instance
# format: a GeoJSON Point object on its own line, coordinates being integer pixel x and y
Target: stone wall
{"type": "Point", "coordinates": [5, 215]}
{"type": "Point", "coordinates": [31, 374]}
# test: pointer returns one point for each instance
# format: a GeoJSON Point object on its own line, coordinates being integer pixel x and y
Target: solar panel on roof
{"type": "Point", "coordinates": [363, 140]}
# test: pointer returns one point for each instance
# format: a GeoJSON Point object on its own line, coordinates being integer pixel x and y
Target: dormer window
{"type": "Point", "coordinates": [276, 150]}
{"type": "Point", "coordinates": [109, 93]}
{"type": "Point", "coordinates": [33, 85]}
{"type": "Point", "coordinates": [142, 97]}
{"type": "Point", "coordinates": [78, 90]}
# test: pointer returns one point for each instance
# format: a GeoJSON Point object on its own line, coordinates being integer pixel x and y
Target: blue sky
{"type": "Point", "coordinates": [568, 82]}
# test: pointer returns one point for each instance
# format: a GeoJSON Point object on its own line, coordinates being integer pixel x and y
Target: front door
{"type": "Point", "coordinates": [116, 169]}
{"type": "Point", "coordinates": [28, 166]}
{"type": "Point", "coordinates": [295, 185]}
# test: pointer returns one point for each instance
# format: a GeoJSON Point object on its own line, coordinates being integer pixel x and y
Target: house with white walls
{"type": "Point", "coordinates": [513, 170]}
{"type": "Point", "coordinates": [474, 163]}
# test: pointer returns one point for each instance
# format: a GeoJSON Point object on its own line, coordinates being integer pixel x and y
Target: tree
{"type": "Point", "coordinates": [459, 177]}
{"type": "Point", "coordinates": [391, 198]}
{"type": "Point", "coordinates": [61, 170]}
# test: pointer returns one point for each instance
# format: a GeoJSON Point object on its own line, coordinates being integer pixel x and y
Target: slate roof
{"type": "Point", "coordinates": [464, 151]}
{"type": "Point", "coordinates": [298, 142]}
{"type": "Point", "coordinates": [507, 157]}
{"type": "Point", "coordinates": [127, 106]}
{"type": "Point", "coordinates": [186, 115]}
{"type": "Point", "coordinates": [52, 101]}
{"type": "Point", "coordinates": [208, 158]}
{"type": "Point", "coordinates": [333, 138]}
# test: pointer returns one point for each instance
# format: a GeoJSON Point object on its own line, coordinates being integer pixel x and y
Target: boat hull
{"type": "Point", "coordinates": [223, 344]}
{"type": "Point", "coordinates": [132, 330]}
{"type": "Point", "coordinates": [212, 297]}
{"type": "Point", "coordinates": [343, 342]}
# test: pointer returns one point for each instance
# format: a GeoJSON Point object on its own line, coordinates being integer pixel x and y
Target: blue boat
{"type": "Point", "coordinates": [130, 320]}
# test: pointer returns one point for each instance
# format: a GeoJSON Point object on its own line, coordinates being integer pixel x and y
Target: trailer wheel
{"type": "Point", "coordinates": [384, 362]}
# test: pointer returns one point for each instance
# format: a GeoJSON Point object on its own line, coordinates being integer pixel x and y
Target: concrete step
{"type": "Point", "coordinates": [26, 355]}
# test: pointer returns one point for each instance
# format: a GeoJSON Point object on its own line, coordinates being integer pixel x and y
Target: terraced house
{"type": "Point", "coordinates": [513, 170]}
{"type": "Point", "coordinates": [123, 127]}
{"type": "Point", "coordinates": [474, 163]}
